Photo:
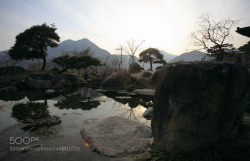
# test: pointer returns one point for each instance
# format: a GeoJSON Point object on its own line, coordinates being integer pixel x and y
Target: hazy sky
{"type": "Point", "coordinates": [163, 24]}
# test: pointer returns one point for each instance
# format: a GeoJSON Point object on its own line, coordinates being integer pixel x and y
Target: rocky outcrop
{"type": "Point", "coordinates": [117, 81]}
{"type": "Point", "coordinates": [116, 136]}
{"type": "Point", "coordinates": [134, 68]}
{"type": "Point", "coordinates": [41, 80]}
{"type": "Point", "coordinates": [198, 105]}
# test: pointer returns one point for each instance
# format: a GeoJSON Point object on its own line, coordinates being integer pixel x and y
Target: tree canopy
{"type": "Point", "coordinates": [76, 62]}
{"type": "Point", "coordinates": [33, 42]}
{"type": "Point", "coordinates": [151, 55]}
{"type": "Point", "coordinates": [212, 35]}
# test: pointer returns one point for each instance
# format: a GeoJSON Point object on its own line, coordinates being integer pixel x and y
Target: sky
{"type": "Point", "coordinates": [163, 24]}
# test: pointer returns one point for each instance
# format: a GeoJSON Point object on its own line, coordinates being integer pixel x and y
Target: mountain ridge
{"type": "Point", "coordinates": [192, 56]}
{"type": "Point", "coordinates": [78, 45]}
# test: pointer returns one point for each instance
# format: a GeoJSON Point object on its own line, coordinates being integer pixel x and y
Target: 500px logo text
{"type": "Point", "coordinates": [23, 140]}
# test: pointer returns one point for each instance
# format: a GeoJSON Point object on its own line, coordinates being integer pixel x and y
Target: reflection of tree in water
{"type": "Point", "coordinates": [132, 100]}
{"type": "Point", "coordinates": [34, 116]}
{"type": "Point", "coordinates": [77, 101]}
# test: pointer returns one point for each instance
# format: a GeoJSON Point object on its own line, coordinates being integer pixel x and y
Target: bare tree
{"type": "Point", "coordinates": [132, 47]}
{"type": "Point", "coordinates": [211, 35]}
{"type": "Point", "coordinates": [105, 60]}
{"type": "Point", "coordinates": [115, 62]}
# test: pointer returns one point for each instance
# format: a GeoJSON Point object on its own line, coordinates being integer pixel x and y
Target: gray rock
{"type": "Point", "coordinates": [70, 79]}
{"type": "Point", "coordinates": [8, 89]}
{"type": "Point", "coordinates": [41, 80]}
{"type": "Point", "coordinates": [148, 114]}
{"type": "Point", "coordinates": [149, 92]}
{"type": "Point", "coordinates": [117, 81]}
{"type": "Point", "coordinates": [134, 68]}
{"type": "Point", "coordinates": [198, 105]}
{"type": "Point", "coordinates": [104, 75]}
{"type": "Point", "coordinates": [49, 91]}
{"type": "Point", "coordinates": [143, 82]}
{"type": "Point", "coordinates": [116, 136]}
{"type": "Point", "coordinates": [155, 77]}
{"type": "Point", "coordinates": [146, 74]}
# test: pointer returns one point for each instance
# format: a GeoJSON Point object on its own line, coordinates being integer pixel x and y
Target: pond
{"type": "Point", "coordinates": [51, 125]}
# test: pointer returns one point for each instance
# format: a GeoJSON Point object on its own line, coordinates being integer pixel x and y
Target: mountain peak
{"type": "Point", "coordinates": [79, 45]}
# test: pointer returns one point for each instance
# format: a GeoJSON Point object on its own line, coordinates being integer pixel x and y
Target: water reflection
{"type": "Point", "coordinates": [132, 100]}
{"type": "Point", "coordinates": [34, 116]}
{"type": "Point", "coordinates": [77, 101]}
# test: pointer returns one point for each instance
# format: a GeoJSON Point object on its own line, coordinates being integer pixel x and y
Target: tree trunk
{"type": "Point", "coordinates": [150, 65]}
{"type": "Point", "coordinates": [132, 59]}
{"type": "Point", "coordinates": [221, 55]}
{"type": "Point", "coordinates": [44, 63]}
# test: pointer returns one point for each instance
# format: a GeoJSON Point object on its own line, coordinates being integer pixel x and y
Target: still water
{"type": "Point", "coordinates": [53, 124]}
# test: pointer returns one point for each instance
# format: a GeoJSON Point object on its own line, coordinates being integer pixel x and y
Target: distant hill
{"type": "Point", "coordinates": [192, 57]}
{"type": "Point", "coordinates": [167, 56]}
{"type": "Point", "coordinates": [79, 45]}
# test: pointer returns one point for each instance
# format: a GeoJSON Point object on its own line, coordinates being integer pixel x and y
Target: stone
{"type": "Point", "coordinates": [146, 74]}
{"type": "Point", "coordinates": [198, 105]}
{"type": "Point", "coordinates": [49, 91]}
{"type": "Point", "coordinates": [155, 77]}
{"type": "Point", "coordinates": [41, 80]}
{"type": "Point", "coordinates": [11, 70]}
{"type": "Point", "coordinates": [143, 82]}
{"type": "Point", "coordinates": [148, 92]}
{"type": "Point", "coordinates": [117, 81]}
{"type": "Point", "coordinates": [148, 114]}
{"type": "Point", "coordinates": [70, 79]}
{"type": "Point", "coordinates": [104, 75]}
{"type": "Point", "coordinates": [116, 136]}
{"type": "Point", "coordinates": [4, 80]}
{"type": "Point", "coordinates": [134, 68]}
{"type": "Point", "coordinates": [8, 89]}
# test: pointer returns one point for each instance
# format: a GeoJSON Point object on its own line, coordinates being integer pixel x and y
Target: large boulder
{"type": "Point", "coordinates": [134, 68]}
{"type": "Point", "coordinates": [116, 136]}
{"type": "Point", "coordinates": [146, 74]}
{"type": "Point", "coordinates": [11, 70]}
{"type": "Point", "coordinates": [143, 82]}
{"type": "Point", "coordinates": [8, 89]}
{"type": "Point", "coordinates": [198, 105]}
{"type": "Point", "coordinates": [117, 81]}
{"type": "Point", "coordinates": [155, 77]}
{"type": "Point", "coordinates": [41, 80]}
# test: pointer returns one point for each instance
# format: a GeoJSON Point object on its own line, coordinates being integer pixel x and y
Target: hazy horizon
{"type": "Point", "coordinates": [163, 24]}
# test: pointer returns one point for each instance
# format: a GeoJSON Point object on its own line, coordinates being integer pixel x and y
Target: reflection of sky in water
{"type": "Point", "coordinates": [68, 131]}
{"type": "Point", "coordinates": [76, 118]}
